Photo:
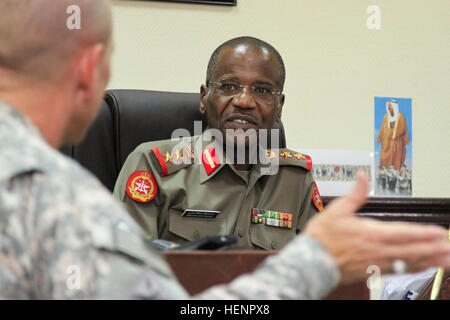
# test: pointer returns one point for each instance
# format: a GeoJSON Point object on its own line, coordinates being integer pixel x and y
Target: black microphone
{"type": "Point", "coordinates": [206, 243]}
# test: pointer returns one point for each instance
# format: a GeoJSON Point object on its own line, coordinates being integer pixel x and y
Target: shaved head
{"type": "Point", "coordinates": [35, 40]}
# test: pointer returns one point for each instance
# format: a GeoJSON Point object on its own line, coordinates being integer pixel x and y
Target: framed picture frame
{"type": "Point", "coordinates": [213, 2]}
{"type": "Point", "coordinates": [334, 171]}
{"type": "Point", "coordinates": [393, 146]}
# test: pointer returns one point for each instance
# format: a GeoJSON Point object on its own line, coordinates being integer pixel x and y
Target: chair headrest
{"type": "Point", "coordinates": [128, 118]}
{"type": "Point", "coordinates": [141, 116]}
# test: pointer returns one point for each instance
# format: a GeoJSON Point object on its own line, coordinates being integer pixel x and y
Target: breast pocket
{"type": "Point", "coordinates": [270, 238]}
{"type": "Point", "coordinates": [193, 228]}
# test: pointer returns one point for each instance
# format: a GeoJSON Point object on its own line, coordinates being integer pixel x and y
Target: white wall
{"type": "Point", "coordinates": [335, 65]}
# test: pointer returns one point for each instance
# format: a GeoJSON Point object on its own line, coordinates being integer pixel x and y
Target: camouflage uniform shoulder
{"type": "Point", "coordinates": [169, 156]}
{"type": "Point", "coordinates": [288, 157]}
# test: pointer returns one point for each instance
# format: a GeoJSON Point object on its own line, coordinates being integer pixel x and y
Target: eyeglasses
{"type": "Point", "coordinates": [261, 93]}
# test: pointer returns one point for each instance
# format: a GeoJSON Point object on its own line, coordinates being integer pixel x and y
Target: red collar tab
{"type": "Point", "coordinates": [210, 160]}
{"type": "Point", "coordinates": [162, 161]}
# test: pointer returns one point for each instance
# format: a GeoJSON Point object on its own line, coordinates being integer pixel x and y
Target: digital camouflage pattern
{"type": "Point", "coordinates": [62, 236]}
{"type": "Point", "coordinates": [61, 230]}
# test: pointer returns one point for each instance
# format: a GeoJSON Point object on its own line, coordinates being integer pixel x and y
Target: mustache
{"type": "Point", "coordinates": [243, 114]}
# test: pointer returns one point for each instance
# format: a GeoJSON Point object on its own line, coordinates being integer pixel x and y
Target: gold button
{"type": "Point", "coordinates": [196, 235]}
{"type": "Point", "coordinates": [274, 245]}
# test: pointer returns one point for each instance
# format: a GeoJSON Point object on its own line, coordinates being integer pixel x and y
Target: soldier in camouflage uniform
{"type": "Point", "coordinates": [191, 199]}
{"type": "Point", "coordinates": [62, 236]}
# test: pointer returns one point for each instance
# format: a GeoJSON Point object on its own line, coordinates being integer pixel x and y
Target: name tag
{"type": "Point", "coordinates": [209, 214]}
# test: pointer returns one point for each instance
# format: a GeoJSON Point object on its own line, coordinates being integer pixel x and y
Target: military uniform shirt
{"type": "Point", "coordinates": [231, 195]}
{"type": "Point", "coordinates": [62, 236]}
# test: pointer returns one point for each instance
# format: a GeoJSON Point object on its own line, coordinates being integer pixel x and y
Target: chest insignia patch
{"type": "Point", "coordinates": [316, 198]}
{"type": "Point", "coordinates": [272, 218]}
{"type": "Point", "coordinates": [142, 186]}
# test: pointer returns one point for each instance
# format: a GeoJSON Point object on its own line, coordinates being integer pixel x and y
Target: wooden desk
{"type": "Point", "coordinates": [199, 270]}
{"type": "Point", "coordinates": [444, 293]}
{"type": "Point", "coordinates": [417, 210]}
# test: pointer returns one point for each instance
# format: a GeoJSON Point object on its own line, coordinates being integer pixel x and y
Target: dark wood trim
{"type": "Point", "coordinates": [444, 293]}
{"type": "Point", "coordinates": [199, 270]}
{"type": "Point", "coordinates": [210, 2]}
{"type": "Point", "coordinates": [420, 210]}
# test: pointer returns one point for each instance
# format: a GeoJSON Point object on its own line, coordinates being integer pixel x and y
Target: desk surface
{"type": "Point", "coordinates": [199, 270]}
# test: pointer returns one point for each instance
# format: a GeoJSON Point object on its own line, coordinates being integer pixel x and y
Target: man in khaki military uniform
{"type": "Point", "coordinates": [182, 190]}
{"type": "Point", "coordinates": [63, 237]}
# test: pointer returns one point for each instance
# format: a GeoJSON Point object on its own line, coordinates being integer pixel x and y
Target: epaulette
{"type": "Point", "coordinates": [170, 156]}
{"type": "Point", "coordinates": [287, 157]}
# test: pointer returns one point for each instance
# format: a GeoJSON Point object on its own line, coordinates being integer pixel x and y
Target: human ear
{"type": "Point", "coordinates": [203, 96]}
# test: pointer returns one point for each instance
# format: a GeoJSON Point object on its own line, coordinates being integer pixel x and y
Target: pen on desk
{"type": "Point", "coordinates": [438, 278]}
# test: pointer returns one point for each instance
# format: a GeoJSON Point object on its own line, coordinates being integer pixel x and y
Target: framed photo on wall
{"type": "Point", "coordinates": [393, 146]}
{"type": "Point", "coordinates": [334, 171]}
{"type": "Point", "coordinates": [216, 2]}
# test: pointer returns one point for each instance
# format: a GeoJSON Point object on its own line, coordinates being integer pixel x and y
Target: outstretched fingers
{"type": "Point", "coordinates": [404, 232]}
{"type": "Point", "coordinates": [350, 203]}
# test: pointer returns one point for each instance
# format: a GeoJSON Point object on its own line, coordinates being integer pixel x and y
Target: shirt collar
{"type": "Point", "coordinates": [21, 142]}
{"type": "Point", "coordinates": [211, 143]}
{"type": "Point", "coordinates": [12, 117]}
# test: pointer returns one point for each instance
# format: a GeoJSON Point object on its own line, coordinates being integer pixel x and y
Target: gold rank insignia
{"type": "Point", "coordinates": [272, 218]}
{"type": "Point", "coordinates": [167, 157]}
{"type": "Point", "coordinates": [188, 152]}
{"type": "Point", "coordinates": [177, 154]}
{"type": "Point", "coordinates": [286, 154]}
{"type": "Point", "coordinates": [270, 154]}
{"type": "Point", "coordinates": [299, 156]}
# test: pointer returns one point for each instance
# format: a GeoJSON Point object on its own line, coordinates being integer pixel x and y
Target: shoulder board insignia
{"type": "Point", "coordinates": [210, 160]}
{"type": "Point", "coordinates": [141, 186]}
{"type": "Point", "coordinates": [187, 151]}
{"type": "Point", "coordinates": [299, 156]}
{"type": "Point", "coordinates": [172, 160]}
{"type": "Point", "coordinates": [167, 157]}
{"type": "Point", "coordinates": [316, 198]}
{"type": "Point", "coordinates": [286, 154]}
{"type": "Point", "coordinates": [308, 162]}
{"type": "Point", "coordinates": [271, 154]}
{"type": "Point", "coordinates": [289, 157]}
{"type": "Point", "coordinates": [162, 160]}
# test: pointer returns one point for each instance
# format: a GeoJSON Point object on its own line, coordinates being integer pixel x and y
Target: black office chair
{"type": "Point", "coordinates": [128, 118]}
